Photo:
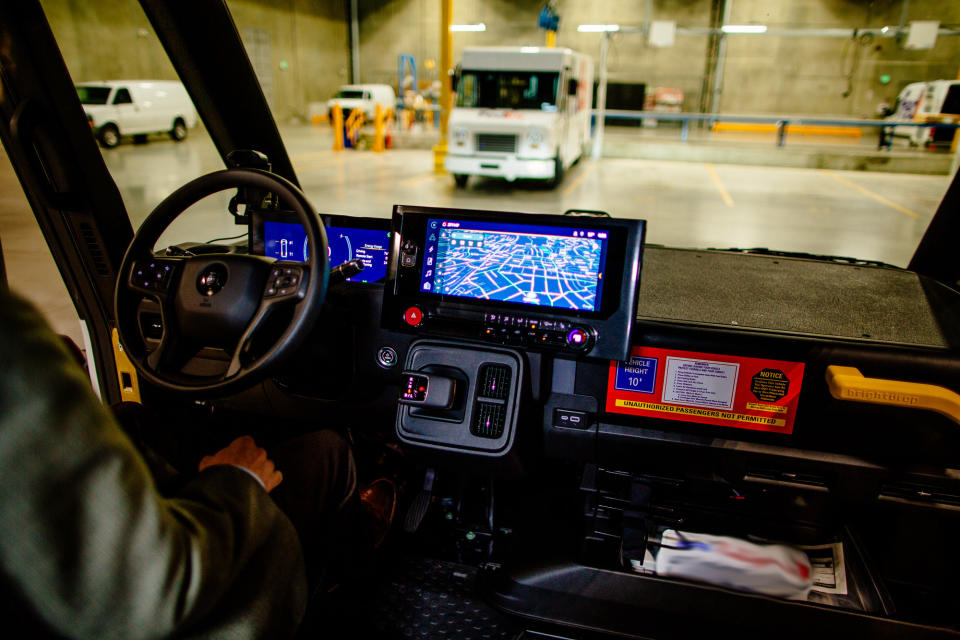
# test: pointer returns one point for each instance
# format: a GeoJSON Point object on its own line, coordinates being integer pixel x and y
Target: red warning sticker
{"type": "Point", "coordinates": [727, 391]}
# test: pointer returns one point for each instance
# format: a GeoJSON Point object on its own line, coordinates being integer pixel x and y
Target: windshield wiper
{"type": "Point", "coordinates": [763, 251]}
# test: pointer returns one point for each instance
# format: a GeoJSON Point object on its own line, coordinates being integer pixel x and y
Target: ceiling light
{"type": "Point", "coordinates": [468, 27]}
{"type": "Point", "coordinates": [529, 49]}
{"type": "Point", "coordinates": [744, 28]}
{"type": "Point", "coordinates": [598, 28]}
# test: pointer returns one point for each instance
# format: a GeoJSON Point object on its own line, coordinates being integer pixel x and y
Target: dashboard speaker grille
{"type": "Point", "coordinates": [489, 419]}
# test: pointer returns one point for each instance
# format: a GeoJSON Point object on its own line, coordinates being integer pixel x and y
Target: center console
{"type": "Point", "coordinates": [479, 288]}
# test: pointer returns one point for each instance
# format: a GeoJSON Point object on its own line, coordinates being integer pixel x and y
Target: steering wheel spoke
{"type": "Point", "coordinates": [173, 352]}
{"type": "Point", "coordinates": [287, 283]}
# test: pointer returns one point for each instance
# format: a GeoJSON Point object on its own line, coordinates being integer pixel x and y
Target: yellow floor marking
{"type": "Point", "coordinates": [870, 194]}
{"type": "Point", "coordinates": [420, 179]}
{"type": "Point", "coordinates": [716, 181]}
{"type": "Point", "coordinates": [577, 181]}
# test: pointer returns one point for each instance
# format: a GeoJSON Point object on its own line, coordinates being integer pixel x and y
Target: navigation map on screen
{"type": "Point", "coordinates": [530, 264]}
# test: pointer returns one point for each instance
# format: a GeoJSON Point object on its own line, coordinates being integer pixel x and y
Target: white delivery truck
{"type": "Point", "coordinates": [365, 97]}
{"type": "Point", "coordinates": [118, 108]}
{"type": "Point", "coordinates": [521, 112]}
{"type": "Point", "coordinates": [920, 99]}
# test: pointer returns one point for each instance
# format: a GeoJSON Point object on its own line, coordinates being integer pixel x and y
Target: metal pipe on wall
{"type": "Point", "coordinates": [721, 60]}
{"type": "Point", "coordinates": [601, 97]}
{"type": "Point", "coordinates": [354, 42]}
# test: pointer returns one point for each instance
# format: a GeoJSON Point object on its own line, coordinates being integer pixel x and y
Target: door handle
{"type": "Point", "coordinates": [847, 383]}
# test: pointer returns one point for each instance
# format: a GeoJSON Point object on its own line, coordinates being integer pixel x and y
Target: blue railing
{"type": "Point", "coordinates": [783, 123]}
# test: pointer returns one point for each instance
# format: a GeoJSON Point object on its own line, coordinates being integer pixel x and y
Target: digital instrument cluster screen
{"type": "Point", "coordinates": [288, 241]}
{"type": "Point", "coordinates": [558, 267]}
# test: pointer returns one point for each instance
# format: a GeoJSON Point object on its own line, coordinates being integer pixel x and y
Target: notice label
{"type": "Point", "coordinates": [700, 383]}
{"type": "Point", "coordinates": [728, 391]}
{"type": "Point", "coordinates": [637, 374]}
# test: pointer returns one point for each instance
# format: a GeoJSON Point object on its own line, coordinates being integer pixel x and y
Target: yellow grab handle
{"type": "Point", "coordinates": [847, 383]}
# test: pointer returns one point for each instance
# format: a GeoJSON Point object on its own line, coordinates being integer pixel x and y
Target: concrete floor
{"type": "Point", "coordinates": [877, 216]}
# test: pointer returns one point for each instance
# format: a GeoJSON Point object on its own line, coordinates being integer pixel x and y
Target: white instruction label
{"type": "Point", "coordinates": [700, 383]}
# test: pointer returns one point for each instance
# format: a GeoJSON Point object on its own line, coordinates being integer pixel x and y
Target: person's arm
{"type": "Point", "coordinates": [88, 541]}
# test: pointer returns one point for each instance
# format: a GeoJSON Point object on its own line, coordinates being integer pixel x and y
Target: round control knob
{"type": "Point", "coordinates": [413, 316]}
{"type": "Point", "coordinates": [578, 338]}
{"type": "Point", "coordinates": [387, 357]}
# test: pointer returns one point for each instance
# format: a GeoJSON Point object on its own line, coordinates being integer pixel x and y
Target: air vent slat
{"type": "Point", "coordinates": [493, 381]}
{"type": "Point", "coordinates": [489, 420]}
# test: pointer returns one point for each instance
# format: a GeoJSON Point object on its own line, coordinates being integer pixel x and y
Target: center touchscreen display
{"type": "Point", "coordinates": [288, 241]}
{"type": "Point", "coordinates": [546, 266]}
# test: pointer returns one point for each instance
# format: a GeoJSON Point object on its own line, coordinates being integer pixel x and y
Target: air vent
{"type": "Point", "coordinates": [497, 142]}
{"type": "Point", "coordinates": [493, 381]}
{"type": "Point", "coordinates": [488, 420]}
{"type": "Point", "coordinates": [792, 479]}
{"type": "Point", "coordinates": [920, 494]}
{"type": "Point", "coordinates": [89, 237]}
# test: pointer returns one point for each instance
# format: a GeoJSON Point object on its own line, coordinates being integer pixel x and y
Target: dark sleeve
{"type": "Point", "coordinates": [90, 544]}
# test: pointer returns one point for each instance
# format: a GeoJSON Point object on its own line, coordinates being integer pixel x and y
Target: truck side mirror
{"type": "Point", "coordinates": [572, 86]}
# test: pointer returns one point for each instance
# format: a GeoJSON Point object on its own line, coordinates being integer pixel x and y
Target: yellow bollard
{"type": "Point", "coordinates": [354, 123]}
{"type": "Point", "coordinates": [378, 127]}
{"type": "Point", "coordinates": [337, 128]}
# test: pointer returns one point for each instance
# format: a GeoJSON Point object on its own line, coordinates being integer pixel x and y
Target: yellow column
{"type": "Point", "coordinates": [337, 128]}
{"type": "Point", "coordinates": [379, 125]}
{"type": "Point", "coordinates": [551, 39]}
{"type": "Point", "coordinates": [446, 63]}
{"type": "Point", "coordinates": [956, 133]}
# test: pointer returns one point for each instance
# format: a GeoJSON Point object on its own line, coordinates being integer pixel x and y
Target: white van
{"type": "Point", "coordinates": [365, 97]}
{"type": "Point", "coordinates": [919, 99]}
{"type": "Point", "coordinates": [521, 112]}
{"type": "Point", "coordinates": [117, 108]}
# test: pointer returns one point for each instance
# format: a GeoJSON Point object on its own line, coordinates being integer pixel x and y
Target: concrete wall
{"type": "Point", "coordinates": [763, 74]}
{"type": "Point", "coordinates": [309, 50]}
{"type": "Point", "coordinates": [112, 39]}
{"type": "Point", "coordinates": [829, 75]}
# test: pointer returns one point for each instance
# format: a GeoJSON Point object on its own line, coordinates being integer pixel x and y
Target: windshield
{"type": "Point", "coordinates": [717, 134]}
{"type": "Point", "coordinates": [93, 95]}
{"type": "Point", "coordinates": [508, 89]}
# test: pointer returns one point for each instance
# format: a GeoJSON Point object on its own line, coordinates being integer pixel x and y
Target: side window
{"type": "Point", "coordinates": [122, 97]}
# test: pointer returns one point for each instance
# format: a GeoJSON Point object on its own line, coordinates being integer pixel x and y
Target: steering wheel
{"type": "Point", "coordinates": [219, 300]}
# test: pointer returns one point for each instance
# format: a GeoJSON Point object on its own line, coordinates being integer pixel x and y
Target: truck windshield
{"type": "Point", "coordinates": [93, 95]}
{"type": "Point", "coordinates": [508, 89]}
{"type": "Point", "coordinates": [350, 94]}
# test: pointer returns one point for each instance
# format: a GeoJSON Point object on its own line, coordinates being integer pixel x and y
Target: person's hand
{"type": "Point", "coordinates": [244, 452]}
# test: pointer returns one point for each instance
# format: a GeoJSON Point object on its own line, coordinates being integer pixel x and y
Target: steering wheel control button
{"type": "Point", "coordinates": [283, 281]}
{"type": "Point", "coordinates": [153, 275]}
{"type": "Point", "coordinates": [212, 279]}
{"type": "Point", "coordinates": [387, 357]}
{"type": "Point", "coordinates": [413, 316]}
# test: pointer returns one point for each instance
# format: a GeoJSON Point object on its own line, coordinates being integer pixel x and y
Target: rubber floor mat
{"type": "Point", "coordinates": [424, 598]}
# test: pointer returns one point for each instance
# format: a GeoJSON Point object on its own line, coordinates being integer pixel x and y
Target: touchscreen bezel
{"type": "Point", "coordinates": [412, 226]}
